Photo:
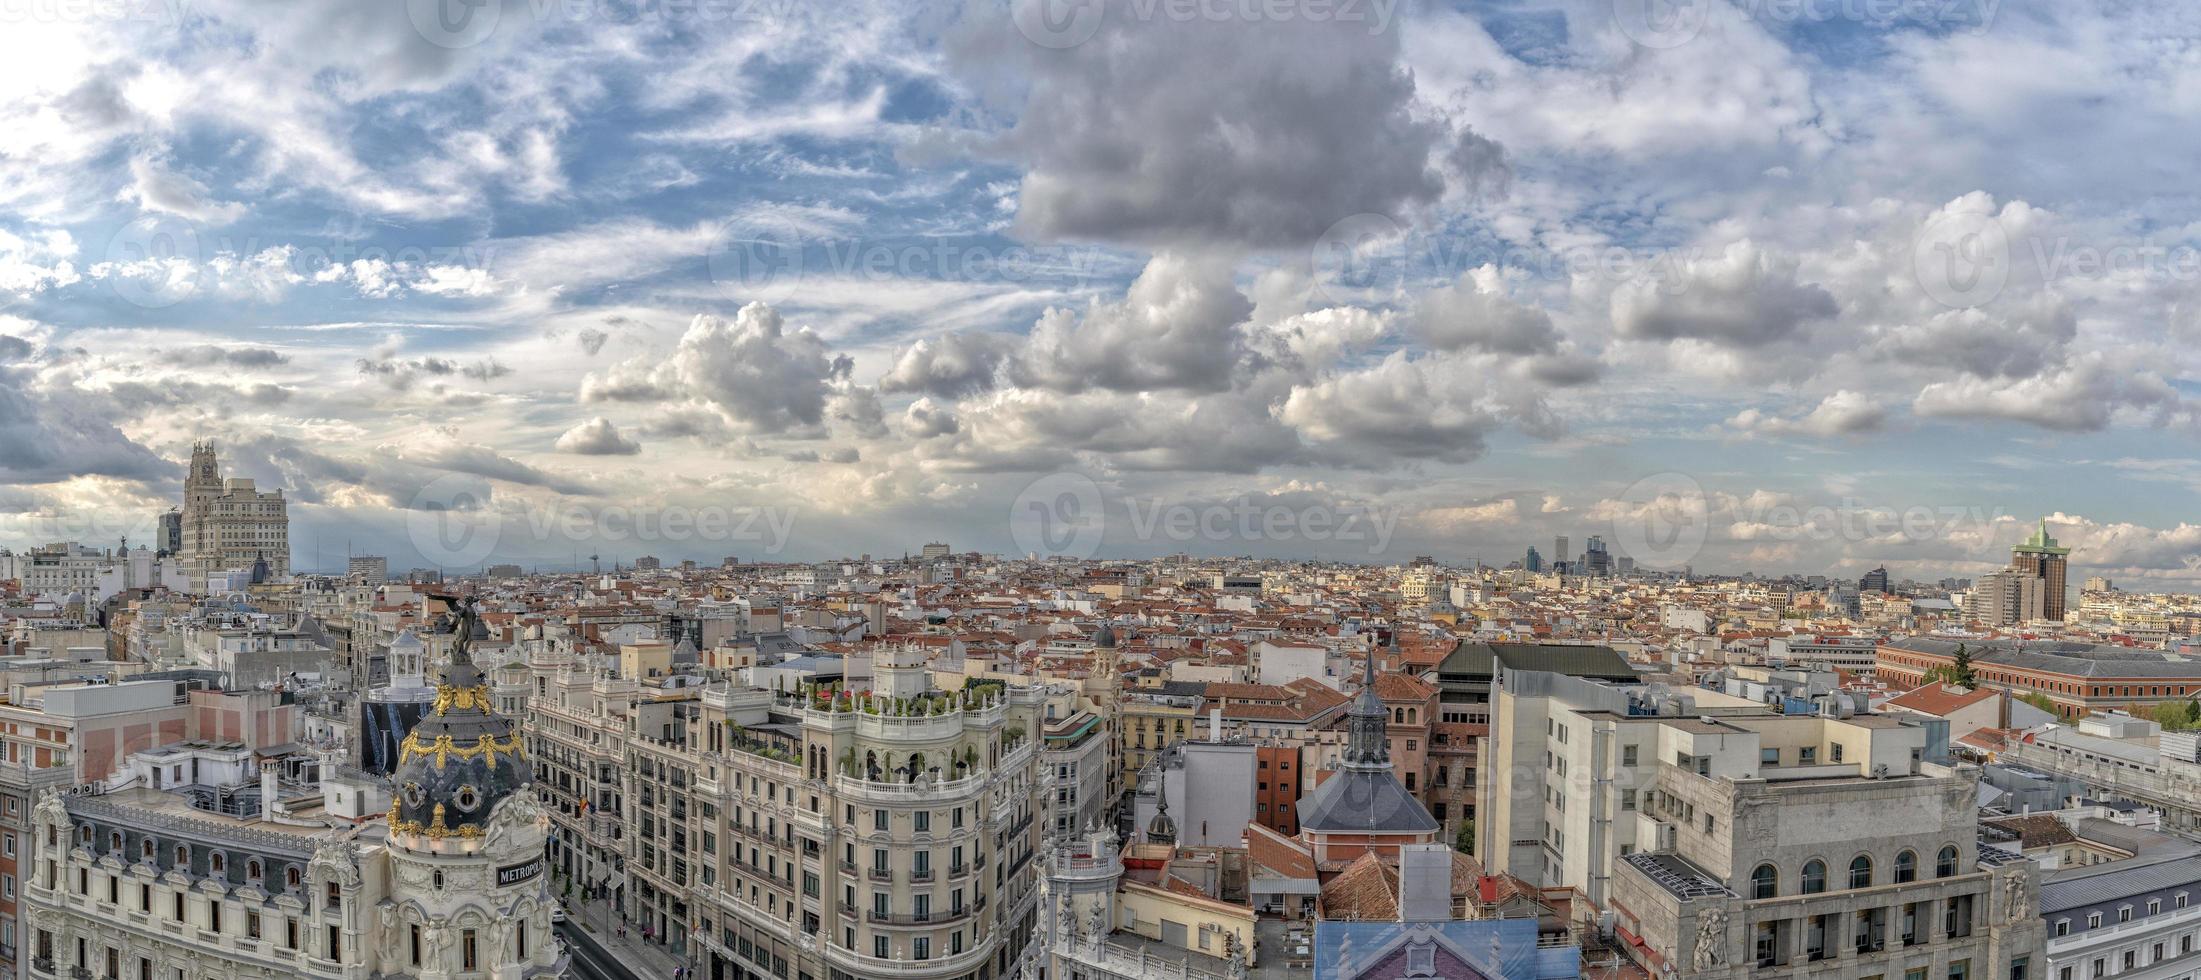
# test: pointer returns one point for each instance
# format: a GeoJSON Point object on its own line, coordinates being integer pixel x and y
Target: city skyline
{"type": "Point", "coordinates": [876, 278]}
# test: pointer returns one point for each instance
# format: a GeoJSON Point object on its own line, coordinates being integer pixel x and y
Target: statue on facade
{"type": "Point", "coordinates": [1711, 939]}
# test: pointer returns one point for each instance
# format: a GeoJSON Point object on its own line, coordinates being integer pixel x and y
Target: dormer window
{"type": "Point", "coordinates": [252, 870]}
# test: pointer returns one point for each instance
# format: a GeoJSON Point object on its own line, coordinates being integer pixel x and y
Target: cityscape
{"type": "Point", "coordinates": [1099, 490]}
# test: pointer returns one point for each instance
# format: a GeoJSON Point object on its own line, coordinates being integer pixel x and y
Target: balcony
{"type": "Point", "coordinates": [952, 965]}
{"type": "Point", "coordinates": [877, 917]}
{"type": "Point", "coordinates": [920, 874]}
{"type": "Point", "coordinates": [879, 874]}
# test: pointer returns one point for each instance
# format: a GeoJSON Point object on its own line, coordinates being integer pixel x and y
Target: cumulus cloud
{"type": "Point", "coordinates": [597, 437]}
{"type": "Point", "coordinates": [1474, 313]}
{"type": "Point", "coordinates": [2082, 395]}
{"type": "Point", "coordinates": [1400, 406]}
{"type": "Point", "coordinates": [1841, 413]}
{"type": "Point", "coordinates": [1746, 297]}
{"type": "Point", "coordinates": [947, 366]}
{"type": "Point", "coordinates": [1178, 327]}
{"type": "Point", "coordinates": [1162, 130]}
{"type": "Point", "coordinates": [759, 377]}
{"type": "Point", "coordinates": [926, 420]}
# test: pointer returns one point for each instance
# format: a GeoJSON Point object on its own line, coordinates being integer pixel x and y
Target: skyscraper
{"type": "Point", "coordinates": [1533, 562]}
{"type": "Point", "coordinates": [1595, 558]}
{"type": "Point", "coordinates": [1874, 581]}
{"type": "Point", "coordinates": [1559, 552]}
{"type": "Point", "coordinates": [2038, 557]}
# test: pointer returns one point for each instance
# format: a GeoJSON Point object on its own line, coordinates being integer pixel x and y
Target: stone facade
{"type": "Point", "coordinates": [1835, 877]}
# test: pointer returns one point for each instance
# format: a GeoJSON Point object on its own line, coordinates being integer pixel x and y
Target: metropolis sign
{"type": "Point", "coordinates": [513, 874]}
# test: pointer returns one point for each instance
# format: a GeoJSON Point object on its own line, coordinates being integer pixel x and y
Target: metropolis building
{"type": "Point", "coordinates": [815, 832]}
{"type": "Point", "coordinates": [139, 884]}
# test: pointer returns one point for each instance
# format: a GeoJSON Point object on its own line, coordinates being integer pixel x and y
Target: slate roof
{"type": "Point", "coordinates": [2058, 657]}
{"type": "Point", "coordinates": [2115, 882]}
{"type": "Point", "coordinates": [1354, 801]}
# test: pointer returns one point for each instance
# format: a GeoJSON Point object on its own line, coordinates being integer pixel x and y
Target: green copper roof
{"type": "Point", "coordinates": [2040, 543]}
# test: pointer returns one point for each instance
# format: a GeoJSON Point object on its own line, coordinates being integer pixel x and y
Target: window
{"type": "Point", "coordinates": [2124, 913]}
{"type": "Point", "coordinates": [1860, 872]}
{"type": "Point", "coordinates": [1815, 876]}
{"type": "Point", "coordinates": [878, 820]}
{"type": "Point", "coordinates": [2063, 927]}
{"type": "Point", "coordinates": [1945, 862]}
{"type": "Point", "coordinates": [1627, 755]}
{"type": "Point", "coordinates": [1906, 867]}
{"type": "Point", "coordinates": [1763, 883]}
{"type": "Point", "coordinates": [2021, 968]}
{"type": "Point", "coordinates": [1769, 757]}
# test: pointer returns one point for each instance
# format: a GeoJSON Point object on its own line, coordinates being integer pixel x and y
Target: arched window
{"type": "Point", "coordinates": [1815, 876]}
{"type": "Point", "coordinates": [145, 848]}
{"type": "Point", "coordinates": [183, 856]}
{"type": "Point", "coordinates": [215, 863]}
{"type": "Point", "coordinates": [1945, 862]}
{"type": "Point", "coordinates": [114, 841]}
{"type": "Point", "coordinates": [1764, 882]}
{"type": "Point", "coordinates": [290, 876]}
{"type": "Point", "coordinates": [1906, 866]}
{"type": "Point", "coordinates": [252, 870]}
{"type": "Point", "coordinates": [1860, 872]}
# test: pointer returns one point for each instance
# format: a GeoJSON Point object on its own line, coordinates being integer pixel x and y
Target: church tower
{"type": "Point", "coordinates": [1363, 807]}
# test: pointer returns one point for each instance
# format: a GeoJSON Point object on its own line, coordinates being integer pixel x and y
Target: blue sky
{"type": "Point", "coordinates": [1489, 272]}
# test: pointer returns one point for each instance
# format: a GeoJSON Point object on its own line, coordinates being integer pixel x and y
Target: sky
{"type": "Point", "coordinates": [1796, 287]}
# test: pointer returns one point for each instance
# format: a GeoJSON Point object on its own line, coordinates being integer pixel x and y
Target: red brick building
{"type": "Point", "coordinates": [2078, 678]}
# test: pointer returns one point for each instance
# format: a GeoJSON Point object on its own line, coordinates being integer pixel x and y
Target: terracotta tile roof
{"type": "Point", "coordinates": [1367, 889]}
{"type": "Point", "coordinates": [1940, 699]}
{"type": "Point", "coordinates": [1278, 853]}
{"type": "Point", "coordinates": [1400, 687]}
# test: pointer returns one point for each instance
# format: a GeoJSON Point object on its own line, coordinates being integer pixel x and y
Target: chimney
{"type": "Point", "coordinates": [268, 786]}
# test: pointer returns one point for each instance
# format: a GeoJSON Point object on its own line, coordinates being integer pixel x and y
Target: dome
{"type": "Point", "coordinates": [462, 759]}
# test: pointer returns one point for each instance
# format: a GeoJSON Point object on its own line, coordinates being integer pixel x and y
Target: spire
{"type": "Point", "coordinates": [1366, 746]}
{"type": "Point", "coordinates": [1161, 829]}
